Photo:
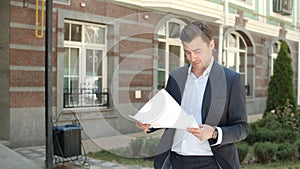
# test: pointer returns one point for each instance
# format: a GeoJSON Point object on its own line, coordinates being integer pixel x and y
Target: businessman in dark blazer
{"type": "Point", "coordinates": [215, 95]}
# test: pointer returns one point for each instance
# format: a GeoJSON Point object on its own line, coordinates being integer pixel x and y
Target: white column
{"type": "Point", "coordinates": [220, 49]}
{"type": "Point", "coordinates": [226, 12]}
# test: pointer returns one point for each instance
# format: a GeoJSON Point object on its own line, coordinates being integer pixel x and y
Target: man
{"type": "Point", "coordinates": [216, 97]}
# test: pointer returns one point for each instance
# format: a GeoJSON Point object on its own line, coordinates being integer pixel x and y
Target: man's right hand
{"type": "Point", "coordinates": [142, 126]}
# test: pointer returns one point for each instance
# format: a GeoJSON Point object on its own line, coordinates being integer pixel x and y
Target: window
{"type": "Point", "coordinates": [85, 65]}
{"type": "Point", "coordinates": [235, 56]}
{"type": "Point", "coordinates": [274, 53]}
{"type": "Point", "coordinates": [170, 50]}
{"type": "Point", "coordinates": [283, 7]}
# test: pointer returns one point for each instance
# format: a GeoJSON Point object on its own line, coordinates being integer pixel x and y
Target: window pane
{"type": "Point", "coordinates": [100, 36]}
{"type": "Point", "coordinates": [161, 79]}
{"type": "Point", "coordinates": [161, 65]}
{"type": "Point", "coordinates": [242, 44]}
{"type": "Point", "coordinates": [231, 61]}
{"type": "Point", "coordinates": [232, 40]}
{"type": "Point", "coordinates": [74, 84]}
{"type": "Point", "coordinates": [76, 32]}
{"type": "Point", "coordinates": [89, 34]}
{"type": "Point", "coordinates": [242, 65]}
{"type": "Point", "coordinates": [89, 62]}
{"type": "Point", "coordinates": [66, 84]}
{"type": "Point", "coordinates": [94, 34]}
{"type": "Point", "coordinates": [93, 62]}
{"type": "Point", "coordinates": [66, 61]}
{"type": "Point", "coordinates": [71, 71]}
{"type": "Point", "coordinates": [174, 55]}
{"type": "Point", "coordinates": [71, 79]}
{"type": "Point", "coordinates": [67, 31]}
{"type": "Point", "coordinates": [161, 55]}
{"type": "Point", "coordinates": [98, 62]}
{"type": "Point", "coordinates": [162, 32]}
{"type": "Point", "coordinates": [93, 79]}
{"type": "Point", "coordinates": [71, 96]}
{"type": "Point", "coordinates": [74, 58]}
{"type": "Point", "coordinates": [174, 30]}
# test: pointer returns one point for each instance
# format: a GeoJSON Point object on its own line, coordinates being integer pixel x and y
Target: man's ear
{"type": "Point", "coordinates": [212, 44]}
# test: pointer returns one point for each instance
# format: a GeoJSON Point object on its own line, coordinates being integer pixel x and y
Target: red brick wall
{"type": "Point", "coordinates": [25, 80]}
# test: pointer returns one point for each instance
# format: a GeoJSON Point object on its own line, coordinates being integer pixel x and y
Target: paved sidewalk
{"type": "Point", "coordinates": [10, 159]}
{"type": "Point", "coordinates": [37, 156]}
{"type": "Point", "coordinates": [34, 157]}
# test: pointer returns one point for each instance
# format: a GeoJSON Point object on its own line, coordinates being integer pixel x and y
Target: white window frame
{"type": "Point", "coordinates": [236, 50]}
{"type": "Point", "coordinates": [83, 46]}
{"type": "Point", "coordinates": [171, 41]}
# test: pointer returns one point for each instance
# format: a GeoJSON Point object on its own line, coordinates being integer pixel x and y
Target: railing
{"type": "Point", "coordinates": [85, 97]}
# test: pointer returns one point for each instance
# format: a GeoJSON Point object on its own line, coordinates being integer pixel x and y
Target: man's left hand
{"type": "Point", "coordinates": [204, 132]}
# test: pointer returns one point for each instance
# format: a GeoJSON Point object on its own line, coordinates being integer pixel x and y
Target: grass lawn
{"type": "Point", "coordinates": [283, 165]}
{"type": "Point", "coordinates": [107, 156]}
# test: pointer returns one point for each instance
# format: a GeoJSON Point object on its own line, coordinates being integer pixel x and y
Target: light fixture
{"type": "Point", "coordinates": [82, 4]}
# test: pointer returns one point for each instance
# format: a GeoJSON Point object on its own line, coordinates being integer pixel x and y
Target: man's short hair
{"type": "Point", "coordinates": [194, 29]}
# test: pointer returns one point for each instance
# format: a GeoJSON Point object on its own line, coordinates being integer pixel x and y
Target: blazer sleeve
{"type": "Point", "coordinates": [234, 125]}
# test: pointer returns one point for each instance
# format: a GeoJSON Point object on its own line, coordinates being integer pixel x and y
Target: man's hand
{"type": "Point", "coordinates": [142, 126]}
{"type": "Point", "coordinates": [204, 132]}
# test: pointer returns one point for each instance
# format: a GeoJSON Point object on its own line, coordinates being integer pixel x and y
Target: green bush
{"type": "Point", "coordinates": [281, 86]}
{"type": "Point", "coordinates": [297, 146]}
{"type": "Point", "coordinates": [286, 152]}
{"type": "Point", "coordinates": [285, 135]}
{"type": "Point", "coordinates": [268, 121]}
{"type": "Point", "coordinates": [251, 139]}
{"type": "Point", "coordinates": [266, 135]}
{"type": "Point", "coordinates": [262, 130]}
{"type": "Point", "coordinates": [264, 151]}
{"type": "Point", "coordinates": [268, 129]}
{"type": "Point", "coordinates": [242, 148]}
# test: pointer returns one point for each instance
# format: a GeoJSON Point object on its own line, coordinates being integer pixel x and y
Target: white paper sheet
{"type": "Point", "coordinates": [162, 111]}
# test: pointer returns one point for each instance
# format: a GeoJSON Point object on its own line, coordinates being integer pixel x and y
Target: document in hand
{"type": "Point", "coordinates": [162, 111]}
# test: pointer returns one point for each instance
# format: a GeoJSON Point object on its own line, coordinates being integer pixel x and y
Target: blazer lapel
{"type": "Point", "coordinates": [215, 96]}
{"type": "Point", "coordinates": [180, 79]}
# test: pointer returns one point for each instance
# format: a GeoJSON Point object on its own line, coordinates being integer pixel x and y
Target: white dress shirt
{"type": "Point", "coordinates": [184, 142]}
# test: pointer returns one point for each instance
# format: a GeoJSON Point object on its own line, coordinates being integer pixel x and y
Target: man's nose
{"type": "Point", "coordinates": [194, 56]}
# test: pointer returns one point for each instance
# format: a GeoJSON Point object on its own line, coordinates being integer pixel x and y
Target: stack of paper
{"type": "Point", "coordinates": [162, 111]}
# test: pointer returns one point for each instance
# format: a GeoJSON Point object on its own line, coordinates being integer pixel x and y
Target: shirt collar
{"type": "Point", "coordinates": [206, 71]}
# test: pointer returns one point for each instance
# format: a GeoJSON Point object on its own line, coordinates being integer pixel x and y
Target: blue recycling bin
{"type": "Point", "coordinates": [67, 140]}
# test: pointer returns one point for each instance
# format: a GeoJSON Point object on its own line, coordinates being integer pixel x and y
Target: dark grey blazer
{"type": "Point", "coordinates": [224, 105]}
